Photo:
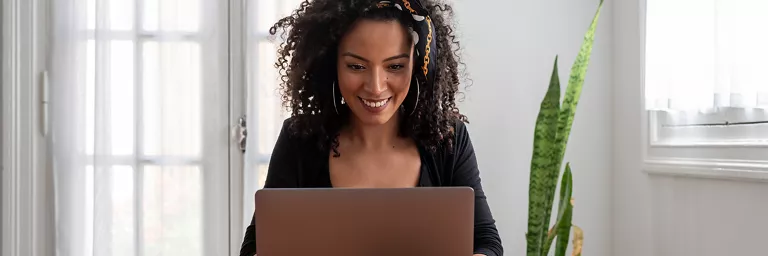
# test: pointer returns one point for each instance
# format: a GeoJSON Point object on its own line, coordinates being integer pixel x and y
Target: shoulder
{"type": "Point", "coordinates": [456, 145]}
{"type": "Point", "coordinates": [291, 158]}
{"type": "Point", "coordinates": [455, 160]}
{"type": "Point", "coordinates": [298, 127]}
{"type": "Point", "coordinates": [290, 125]}
{"type": "Point", "coordinates": [459, 139]}
{"type": "Point", "coordinates": [460, 130]}
{"type": "Point", "coordinates": [287, 131]}
{"type": "Point", "coordinates": [453, 141]}
{"type": "Point", "coordinates": [293, 134]}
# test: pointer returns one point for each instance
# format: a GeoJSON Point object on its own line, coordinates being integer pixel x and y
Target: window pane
{"type": "Point", "coordinates": [123, 212]}
{"type": "Point", "coordinates": [263, 14]}
{"type": "Point", "coordinates": [741, 42]}
{"type": "Point", "coordinates": [109, 221]}
{"type": "Point", "coordinates": [172, 99]}
{"type": "Point", "coordinates": [254, 180]}
{"type": "Point", "coordinates": [265, 96]}
{"type": "Point", "coordinates": [716, 61]}
{"type": "Point", "coordinates": [172, 15]}
{"type": "Point", "coordinates": [262, 174]}
{"type": "Point", "coordinates": [173, 210]}
{"type": "Point", "coordinates": [89, 206]}
{"type": "Point", "coordinates": [121, 84]}
{"type": "Point", "coordinates": [90, 13]}
{"type": "Point", "coordinates": [151, 15]}
{"type": "Point", "coordinates": [120, 13]}
{"type": "Point", "coordinates": [90, 96]}
{"type": "Point", "coordinates": [288, 6]}
{"type": "Point", "coordinates": [676, 65]}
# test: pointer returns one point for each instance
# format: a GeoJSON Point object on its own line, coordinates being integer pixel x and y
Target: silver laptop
{"type": "Point", "coordinates": [345, 221]}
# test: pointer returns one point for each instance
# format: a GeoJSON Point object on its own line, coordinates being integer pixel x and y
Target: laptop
{"type": "Point", "coordinates": [350, 221]}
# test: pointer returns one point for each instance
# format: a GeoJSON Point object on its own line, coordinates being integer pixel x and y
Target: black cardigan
{"type": "Point", "coordinates": [297, 163]}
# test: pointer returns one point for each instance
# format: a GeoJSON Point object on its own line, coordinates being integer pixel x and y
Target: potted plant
{"type": "Point", "coordinates": [553, 127]}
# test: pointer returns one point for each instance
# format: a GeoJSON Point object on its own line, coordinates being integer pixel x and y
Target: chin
{"type": "Point", "coordinates": [373, 119]}
{"type": "Point", "coordinates": [380, 120]}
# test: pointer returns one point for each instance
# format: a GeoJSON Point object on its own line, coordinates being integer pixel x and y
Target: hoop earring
{"type": "Point", "coordinates": [418, 91]}
{"type": "Point", "coordinates": [333, 96]}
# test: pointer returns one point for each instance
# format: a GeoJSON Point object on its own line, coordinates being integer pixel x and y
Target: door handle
{"type": "Point", "coordinates": [242, 133]}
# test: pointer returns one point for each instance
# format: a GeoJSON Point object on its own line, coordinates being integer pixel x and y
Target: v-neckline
{"type": "Point", "coordinates": [424, 177]}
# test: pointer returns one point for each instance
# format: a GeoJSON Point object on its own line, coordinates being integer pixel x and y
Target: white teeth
{"type": "Point", "coordinates": [375, 104]}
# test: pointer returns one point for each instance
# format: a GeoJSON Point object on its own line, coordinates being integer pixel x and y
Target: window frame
{"type": "Point", "coordinates": [26, 208]}
{"type": "Point", "coordinates": [248, 37]}
{"type": "Point", "coordinates": [138, 160]}
{"type": "Point", "coordinates": [723, 127]}
{"type": "Point", "coordinates": [27, 201]}
{"type": "Point", "coordinates": [236, 17]}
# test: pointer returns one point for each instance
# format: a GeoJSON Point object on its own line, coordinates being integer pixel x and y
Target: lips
{"type": "Point", "coordinates": [375, 103]}
{"type": "Point", "coordinates": [375, 106]}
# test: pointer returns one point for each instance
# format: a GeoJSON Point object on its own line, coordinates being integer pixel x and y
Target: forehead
{"type": "Point", "coordinates": [376, 38]}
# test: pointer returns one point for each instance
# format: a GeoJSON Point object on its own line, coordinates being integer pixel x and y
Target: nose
{"type": "Point", "coordinates": [377, 82]}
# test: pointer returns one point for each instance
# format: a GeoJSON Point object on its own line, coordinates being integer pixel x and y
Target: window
{"type": "Point", "coordinates": [139, 126]}
{"type": "Point", "coordinates": [705, 66]}
{"type": "Point", "coordinates": [142, 139]}
{"type": "Point", "coordinates": [706, 92]}
{"type": "Point", "coordinates": [265, 113]}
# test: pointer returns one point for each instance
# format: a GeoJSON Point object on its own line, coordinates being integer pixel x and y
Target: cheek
{"type": "Point", "coordinates": [401, 83]}
{"type": "Point", "coordinates": [401, 87]}
{"type": "Point", "coordinates": [349, 82]}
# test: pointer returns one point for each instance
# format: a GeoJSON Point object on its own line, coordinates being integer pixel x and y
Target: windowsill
{"type": "Point", "coordinates": [713, 144]}
{"type": "Point", "coordinates": [710, 169]}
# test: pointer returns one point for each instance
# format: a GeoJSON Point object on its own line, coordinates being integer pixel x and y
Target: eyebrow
{"type": "Point", "coordinates": [404, 55]}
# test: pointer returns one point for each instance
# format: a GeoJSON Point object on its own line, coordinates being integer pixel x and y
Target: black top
{"type": "Point", "coordinates": [297, 163]}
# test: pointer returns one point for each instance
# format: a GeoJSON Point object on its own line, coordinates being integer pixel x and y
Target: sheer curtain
{"type": "Point", "coordinates": [265, 111]}
{"type": "Point", "coordinates": [705, 54]}
{"type": "Point", "coordinates": [140, 128]}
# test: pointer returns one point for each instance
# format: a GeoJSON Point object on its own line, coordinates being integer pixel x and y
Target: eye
{"type": "Point", "coordinates": [356, 67]}
{"type": "Point", "coordinates": [396, 67]}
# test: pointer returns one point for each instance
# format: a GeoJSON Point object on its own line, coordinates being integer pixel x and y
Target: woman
{"type": "Point", "coordinates": [371, 85]}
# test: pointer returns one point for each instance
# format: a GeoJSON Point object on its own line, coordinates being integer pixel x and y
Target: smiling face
{"type": "Point", "coordinates": [374, 70]}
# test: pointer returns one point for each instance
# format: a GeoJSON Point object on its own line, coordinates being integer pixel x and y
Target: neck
{"type": "Point", "coordinates": [375, 136]}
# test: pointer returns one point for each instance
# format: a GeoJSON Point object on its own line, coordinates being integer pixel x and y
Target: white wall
{"type": "Point", "coordinates": [664, 215]}
{"type": "Point", "coordinates": [510, 47]}
{"type": "Point", "coordinates": [631, 188]}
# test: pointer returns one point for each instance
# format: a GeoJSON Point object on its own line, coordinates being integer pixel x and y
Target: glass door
{"type": "Point", "coordinates": [141, 126]}
{"type": "Point", "coordinates": [147, 101]}
{"type": "Point", "coordinates": [264, 111]}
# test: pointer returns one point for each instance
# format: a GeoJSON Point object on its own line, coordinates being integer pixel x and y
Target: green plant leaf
{"type": "Point", "coordinates": [566, 211]}
{"type": "Point", "coordinates": [543, 172]}
{"type": "Point", "coordinates": [575, 84]}
{"type": "Point", "coordinates": [553, 127]}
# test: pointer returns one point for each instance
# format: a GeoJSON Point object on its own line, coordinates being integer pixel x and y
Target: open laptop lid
{"type": "Point", "coordinates": [345, 221]}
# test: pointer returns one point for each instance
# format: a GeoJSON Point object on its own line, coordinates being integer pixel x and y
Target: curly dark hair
{"type": "Point", "coordinates": [307, 65]}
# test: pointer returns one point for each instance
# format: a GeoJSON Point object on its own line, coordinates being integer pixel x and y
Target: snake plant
{"type": "Point", "coordinates": [553, 127]}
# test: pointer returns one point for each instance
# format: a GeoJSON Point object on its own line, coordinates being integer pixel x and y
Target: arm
{"type": "Point", "coordinates": [280, 174]}
{"type": "Point", "coordinates": [466, 173]}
